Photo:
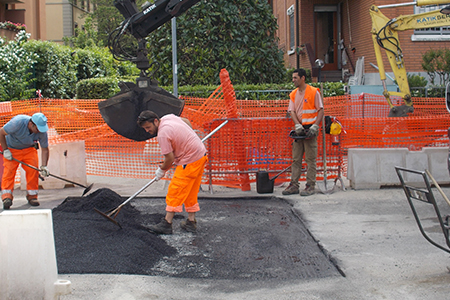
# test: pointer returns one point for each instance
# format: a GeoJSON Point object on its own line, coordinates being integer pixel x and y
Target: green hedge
{"type": "Point", "coordinates": [106, 87]}
{"type": "Point", "coordinates": [97, 88]}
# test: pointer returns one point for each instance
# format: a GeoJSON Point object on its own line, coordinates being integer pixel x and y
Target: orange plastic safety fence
{"type": "Point", "coordinates": [255, 138]}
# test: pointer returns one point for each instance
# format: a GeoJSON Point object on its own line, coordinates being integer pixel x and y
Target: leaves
{"type": "Point", "coordinates": [437, 62]}
{"type": "Point", "coordinates": [236, 35]}
{"type": "Point", "coordinates": [16, 68]}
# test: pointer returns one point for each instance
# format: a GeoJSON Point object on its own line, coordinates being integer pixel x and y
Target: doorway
{"type": "Point", "coordinates": [325, 24]}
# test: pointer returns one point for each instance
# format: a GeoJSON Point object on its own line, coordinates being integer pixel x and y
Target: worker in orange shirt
{"type": "Point", "coordinates": [181, 146]}
{"type": "Point", "coordinates": [20, 139]}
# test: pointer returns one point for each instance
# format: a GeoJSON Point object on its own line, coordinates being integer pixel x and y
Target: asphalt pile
{"type": "Point", "coordinates": [86, 242]}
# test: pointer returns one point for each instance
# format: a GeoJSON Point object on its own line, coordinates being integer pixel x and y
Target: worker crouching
{"type": "Point", "coordinates": [20, 138]}
{"type": "Point", "coordinates": [180, 146]}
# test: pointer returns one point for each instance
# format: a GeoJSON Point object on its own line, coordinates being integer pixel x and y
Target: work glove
{"type": "Point", "coordinates": [299, 129]}
{"type": "Point", "coordinates": [313, 131]}
{"type": "Point", "coordinates": [159, 174]}
{"type": "Point", "coordinates": [7, 154]}
{"type": "Point", "coordinates": [44, 171]}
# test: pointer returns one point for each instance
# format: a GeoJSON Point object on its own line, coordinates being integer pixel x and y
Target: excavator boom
{"type": "Point", "coordinates": [120, 111]}
{"type": "Point", "coordinates": [385, 37]}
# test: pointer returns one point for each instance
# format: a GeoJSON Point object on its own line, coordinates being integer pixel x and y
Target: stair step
{"type": "Point", "coordinates": [331, 76]}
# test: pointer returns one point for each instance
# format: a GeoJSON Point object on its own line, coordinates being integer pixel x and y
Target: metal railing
{"type": "Point", "coordinates": [428, 92]}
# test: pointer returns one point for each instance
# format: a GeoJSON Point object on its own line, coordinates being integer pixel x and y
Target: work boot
{"type": "Point", "coordinates": [189, 226]}
{"type": "Point", "coordinates": [162, 227]}
{"type": "Point", "coordinates": [290, 190]}
{"type": "Point", "coordinates": [7, 202]}
{"type": "Point", "coordinates": [32, 199]}
{"type": "Point", "coordinates": [308, 191]}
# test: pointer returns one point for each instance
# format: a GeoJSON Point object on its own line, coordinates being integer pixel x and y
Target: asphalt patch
{"type": "Point", "coordinates": [254, 238]}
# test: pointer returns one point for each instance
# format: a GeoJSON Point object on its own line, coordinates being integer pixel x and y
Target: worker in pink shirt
{"type": "Point", "coordinates": [180, 146]}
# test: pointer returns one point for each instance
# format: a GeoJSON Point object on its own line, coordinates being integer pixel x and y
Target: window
{"type": "Point", "coordinates": [430, 34]}
{"type": "Point", "coordinates": [290, 13]}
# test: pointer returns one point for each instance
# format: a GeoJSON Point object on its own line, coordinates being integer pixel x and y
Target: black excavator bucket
{"type": "Point", "coordinates": [121, 111]}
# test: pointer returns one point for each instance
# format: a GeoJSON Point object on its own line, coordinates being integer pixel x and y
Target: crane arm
{"type": "Point", "coordinates": [385, 36]}
{"type": "Point", "coordinates": [152, 16]}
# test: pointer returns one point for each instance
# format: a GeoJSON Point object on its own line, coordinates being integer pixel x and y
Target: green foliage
{"type": "Point", "coordinates": [59, 68]}
{"type": "Point", "coordinates": [97, 88]}
{"type": "Point", "coordinates": [98, 62]}
{"type": "Point", "coordinates": [417, 85]}
{"type": "Point", "coordinates": [86, 38]}
{"type": "Point", "coordinates": [106, 17]}
{"type": "Point", "coordinates": [437, 62]}
{"type": "Point", "coordinates": [238, 35]}
{"type": "Point", "coordinates": [15, 68]}
{"type": "Point", "coordinates": [55, 69]}
{"type": "Point", "coordinates": [416, 80]}
{"type": "Point", "coordinates": [258, 91]}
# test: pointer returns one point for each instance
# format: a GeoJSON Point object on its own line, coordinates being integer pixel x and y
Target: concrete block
{"type": "Point", "coordinates": [388, 159]}
{"type": "Point", "coordinates": [67, 160]}
{"type": "Point", "coordinates": [374, 168]}
{"type": "Point", "coordinates": [28, 267]}
{"type": "Point", "coordinates": [438, 166]}
{"type": "Point", "coordinates": [368, 173]}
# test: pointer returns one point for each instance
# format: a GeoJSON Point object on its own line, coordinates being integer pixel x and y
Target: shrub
{"type": "Point", "coordinates": [97, 88]}
{"type": "Point", "coordinates": [55, 69]}
{"type": "Point", "coordinates": [16, 68]}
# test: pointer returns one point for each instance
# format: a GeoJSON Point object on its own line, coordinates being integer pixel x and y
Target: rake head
{"type": "Point", "coordinates": [110, 216]}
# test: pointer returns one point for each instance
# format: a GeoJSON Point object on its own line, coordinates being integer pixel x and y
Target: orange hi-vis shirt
{"type": "Point", "coordinates": [306, 104]}
{"type": "Point", "coordinates": [174, 135]}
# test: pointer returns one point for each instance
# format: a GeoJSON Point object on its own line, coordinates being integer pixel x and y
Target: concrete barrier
{"type": "Point", "coordinates": [28, 267]}
{"type": "Point", "coordinates": [374, 168]}
{"type": "Point", "coordinates": [67, 160]}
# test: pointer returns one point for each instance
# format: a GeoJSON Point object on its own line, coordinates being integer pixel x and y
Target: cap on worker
{"type": "Point", "coordinates": [41, 122]}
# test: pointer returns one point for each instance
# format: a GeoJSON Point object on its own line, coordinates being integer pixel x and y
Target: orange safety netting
{"type": "Point", "coordinates": [256, 136]}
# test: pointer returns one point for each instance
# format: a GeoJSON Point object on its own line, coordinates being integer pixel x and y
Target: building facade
{"type": "Point", "coordinates": [46, 19]}
{"type": "Point", "coordinates": [339, 32]}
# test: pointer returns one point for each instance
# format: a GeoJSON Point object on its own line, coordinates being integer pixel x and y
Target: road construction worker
{"type": "Point", "coordinates": [20, 138]}
{"type": "Point", "coordinates": [180, 146]}
{"type": "Point", "coordinates": [306, 110]}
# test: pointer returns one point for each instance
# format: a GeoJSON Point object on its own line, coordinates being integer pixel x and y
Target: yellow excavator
{"type": "Point", "coordinates": [385, 36]}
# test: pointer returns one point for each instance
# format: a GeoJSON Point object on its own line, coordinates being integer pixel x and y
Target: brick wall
{"type": "Point", "coordinates": [356, 32]}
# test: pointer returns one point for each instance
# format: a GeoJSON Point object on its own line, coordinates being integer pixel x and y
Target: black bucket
{"type": "Point", "coordinates": [264, 185]}
{"type": "Point", "coordinates": [121, 111]}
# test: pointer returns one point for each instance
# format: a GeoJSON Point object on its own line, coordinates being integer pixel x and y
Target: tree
{"type": "Point", "coordinates": [16, 68]}
{"type": "Point", "coordinates": [238, 35]}
{"type": "Point", "coordinates": [106, 17]}
{"type": "Point", "coordinates": [437, 61]}
{"type": "Point", "coordinates": [84, 38]}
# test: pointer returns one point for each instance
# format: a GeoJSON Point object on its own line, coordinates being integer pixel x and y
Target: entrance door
{"type": "Point", "coordinates": [325, 18]}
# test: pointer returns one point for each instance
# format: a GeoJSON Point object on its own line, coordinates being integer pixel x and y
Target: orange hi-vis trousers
{"type": "Point", "coordinates": [184, 187]}
{"type": "Point", "coordinates": [29, 156]}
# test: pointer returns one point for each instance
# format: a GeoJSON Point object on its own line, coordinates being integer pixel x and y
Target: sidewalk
{"type": "Point", "coordinates": [371, 235]}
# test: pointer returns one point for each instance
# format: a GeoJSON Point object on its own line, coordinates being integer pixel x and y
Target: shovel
{"type": "Point", "coordinates": [264, 185]}
{"type": "Point", "coordinates": [86, 188]}
{"type": "Point", "coordinates": [112, 214]}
